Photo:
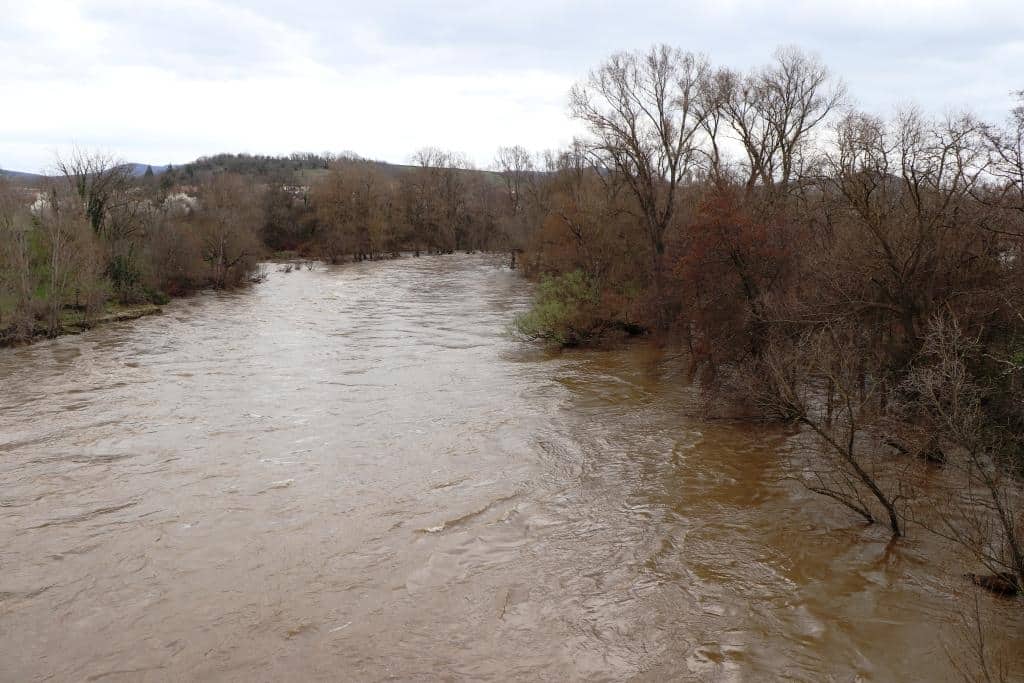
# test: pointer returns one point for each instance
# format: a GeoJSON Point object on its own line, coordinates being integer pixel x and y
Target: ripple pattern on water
{"type": "Point", "coordinates": [354, 472]}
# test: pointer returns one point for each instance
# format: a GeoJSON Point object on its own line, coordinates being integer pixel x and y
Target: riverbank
{"type": "Point", "coordinates": [75, 322]}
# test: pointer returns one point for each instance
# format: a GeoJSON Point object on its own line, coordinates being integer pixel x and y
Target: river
{"type": "Point", "coordinates": [356, 473]}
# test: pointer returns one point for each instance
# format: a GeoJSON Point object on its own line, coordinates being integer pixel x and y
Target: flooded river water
{"type": "Point", "coordinates": [355, 473]}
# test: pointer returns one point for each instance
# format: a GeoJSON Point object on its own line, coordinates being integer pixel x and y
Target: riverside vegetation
{"type": "Point", "coordinates": [858, 276]}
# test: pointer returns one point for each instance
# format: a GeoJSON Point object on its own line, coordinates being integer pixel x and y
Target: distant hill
{"type": "Point", "coordinates": [136, 170]}
{"type": "Point", "coordinates": [139, 170]}
{"type": "Point", "coordinates": [309, 167]}
{"type": "Point", "coordinates": [21, 176]}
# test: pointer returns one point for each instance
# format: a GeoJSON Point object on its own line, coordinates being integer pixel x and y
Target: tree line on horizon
{"type": "Point", "coordinates": [857, 275]}
{"type": "Point", "coordinates": [94, 235]}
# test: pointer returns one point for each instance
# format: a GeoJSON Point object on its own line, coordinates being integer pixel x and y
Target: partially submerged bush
{"type": "Point", "coordinates": [157, 297]}
{"type": "Point", "coordinates": [565, 311]}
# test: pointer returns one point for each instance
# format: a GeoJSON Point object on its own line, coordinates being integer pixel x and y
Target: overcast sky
{"type": "Point", "coordinates": [169, 80]}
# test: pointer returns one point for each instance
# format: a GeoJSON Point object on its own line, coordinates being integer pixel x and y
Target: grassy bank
{"type": "Point", "coordinates": [74, 321]}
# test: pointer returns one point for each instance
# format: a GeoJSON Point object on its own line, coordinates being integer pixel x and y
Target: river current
{"type": "Point", "coordinates": [357, 473]}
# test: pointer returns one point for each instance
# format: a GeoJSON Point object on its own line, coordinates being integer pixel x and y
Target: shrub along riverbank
{"type": "Point", "coordinates": [95, 244]}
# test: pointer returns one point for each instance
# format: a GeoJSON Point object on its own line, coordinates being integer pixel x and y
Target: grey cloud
{"type": "Point", "coordinates": [940, 54]}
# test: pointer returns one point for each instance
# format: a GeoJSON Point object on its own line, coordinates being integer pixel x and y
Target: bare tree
{"type": "Point", "coordinates": [117, 210]}
{"type": "Point", "coordinates": [773, 111]}
{"type": "Point", "coordinates": [514, 165]}
{"type": "Point", "coordinates": [985, 513]}
{"type": "Point", "coordinates": [1006, 165]}
{"type": "Point", "coordinates": [99, 181]}
{"type": "Point", "coordinates": [17, 282]}
{"type": "Point", "coordinates": [818, 380]}
{"type": "Point", "coordinates": [441, 188]}
{"type": "Point", "coordinates": [582, 200]}
{"type": "Point", "coordinates": [227, 226]}
{"type": "Point", "coordinates": [973, 654]}
{"type": "Point", "coordinates": [714, 98]}
{"type": "Point", "coordinates": [905, 234]}
{"type": "Point", "coordinates": [332, 202]}
{"type": "Point", "coordinates": [643, 112]}
{"type": "Point", "coordinates": [63, 227]}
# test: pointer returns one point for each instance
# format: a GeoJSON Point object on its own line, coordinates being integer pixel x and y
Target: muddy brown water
{"type": "Point", "coordinates": [355, 473]}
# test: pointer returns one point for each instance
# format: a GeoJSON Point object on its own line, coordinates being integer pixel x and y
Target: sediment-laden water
{"type": "Point", "coordinates": [355, 473]}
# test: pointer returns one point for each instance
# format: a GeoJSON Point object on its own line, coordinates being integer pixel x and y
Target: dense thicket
{"type": "Point", "coordinates": [859, 276]}
{"type": "Point", "coordinates": [93, 236]}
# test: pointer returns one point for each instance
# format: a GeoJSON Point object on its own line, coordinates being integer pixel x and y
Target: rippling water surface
{"type": "Point", "coordinates": [355, 473]}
